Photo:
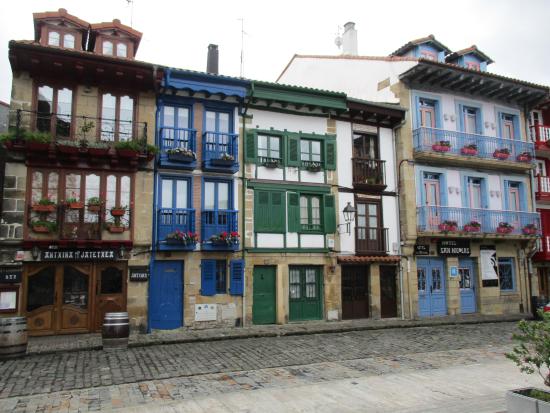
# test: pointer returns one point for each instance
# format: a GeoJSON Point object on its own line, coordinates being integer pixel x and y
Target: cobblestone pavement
{"type": "Point", "coordinates": [101, 380]}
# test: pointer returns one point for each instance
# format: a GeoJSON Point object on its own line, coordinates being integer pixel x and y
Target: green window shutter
{"type": "Point", "coordinates": [250, 151]}
{"type": "Point", "coordinates": [277, 214]}
{"type": "Point", "coordinates": [293, 156]}
{"type": "Point", "coordinates": [293, 212]}
{"type": "Point", "coordinates": [261, 211]}
{"type": "Point", "coordinates": [329, 214]}
{"type": "Point", "coordinates": [330, 154]}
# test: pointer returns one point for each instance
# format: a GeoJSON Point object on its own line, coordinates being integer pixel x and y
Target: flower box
{"type": "Point", "coordinates": [41, 229]}
{"type": "Point", "coordinates": [501, 155]}
{"type": "Point", "coordinates": [472, 228]}
{"type": "Point", "coordinates": [68, 150]}
{"type": "Point", "coordinates": [529, 231]}
{"type": "Point", "coordinates": [314, 168]}
{"type": "Point", "coordinates": [114, 229]}
{"type": "Point", "coordinates": [447, 227]}
{"type": "Point", "coordinates": [524, 158]}
{"type": "Point", "coordinates": [118, 212]}
{"type": "Point", "coordinates": [98, 151]}
{"type": "Point", "coordinates": [75, 205]}
{"type": "Point", "coordinates": [178, 157]}
{"type": "Point", "coordinates": [441, 148]}
{"type": "Point", "coordinates": [94, 208]}
{"type": "Point", "coordinates": [504, 230]}
{"type": "Point", "coordinates": [271, 164]}
{"type": "Point", "coordinates": [127, 153]}
{"type": "Point", "coordinates": [44, 208]}
{"type": "Point", "coordinates": [222, 162]}
{"type": "Point", "coordinates": [37, 146]}
{"type": "Point", "coordinates": [468, 151]}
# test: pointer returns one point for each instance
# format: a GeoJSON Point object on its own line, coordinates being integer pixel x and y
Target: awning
{"type": "Point", "coordinates": [354, 259]}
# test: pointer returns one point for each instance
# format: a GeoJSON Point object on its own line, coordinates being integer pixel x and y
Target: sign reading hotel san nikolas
{"type": "Point", "coordinates": [453, 247]}
{"type": "Point", "coordinates": [79, 255]}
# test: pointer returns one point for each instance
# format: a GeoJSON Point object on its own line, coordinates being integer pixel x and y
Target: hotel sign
{"type": "Point", "coordinates": [79, 255]}
{"type": "Point", "coordinates": [10, 274]}
{"type": "Point", "coordinates": [453, 247]}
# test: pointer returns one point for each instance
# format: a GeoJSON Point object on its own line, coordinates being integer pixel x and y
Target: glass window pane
{"type": "Point", "coordinates": [53, 182]}
{"type": "Point", "coordinates": [315, 211]}
{"type": "Point", "coordinates": [125, 194]}
{"type": "Point", "coordinates": [72, 186]}
{"type": "Point", "coordinates": [126, 118]}
{"type": "Point", "coordinates": [304, 147]}
{"type": "Point", "coordinates": [53, 39]}
{"type": "Point", "coordinates": [64, 110]}
{"type": "Point", "coordinates": [166, 201]}
{"type": "Point", "coordinates": [36, 186]}
{"type": "Point", "coordinates": [121, 50]}
{"type": "Point", "coordinates": [8, 300]}
{"type": "Point", "coordinates": [91, 191]}
{"type": "Point", "coordinates": [183, 118]}
{"type": "Point", "coordinates": [111, 192]}
{"type": "Point", "coordinates": [68, 41]}
{"type": "Point", "coordinates": [209, 188]}
{"type": "Point", "coordinates": [75, 287]}
{"type": "Point", "coordinates": [108, 114]}
{"type": "Point", "coordinates": [316, 148]}
{"type": "Point", "coordinates": [44, 108]}
{"type": "Point", "coordinates": [41, 289]}
{"type": "Point", "coordinates": [181, 194]}
{"type": "Point", "coordinates": [210, 121]}
{"type": "Point", "coordinates": [274, 146]}
{"type": "Point", "coordinates": [262, 142]}
{"type": "Point", "coordinates": [111, 281]}
{"type": "Point", "coordinates": [304, 213]}
{"type": "Point", "coordinates": [168, 117]}
{"type": "Point", "coordinates": [108, 48]}
{"type": "Point", "coordinates": [223, 122]}
{"type": "Point", "coordinates": [223, 195]}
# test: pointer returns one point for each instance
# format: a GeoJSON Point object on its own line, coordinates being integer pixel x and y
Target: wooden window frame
{"type": "Point", "coordinates": [310, 152]}
{"type": "Point", "coordinates": [118, 95]}
{"type": "Point", "coordinates": [115, 41]}
{"type": "Point", "coordinates": [511, 262]}
{"type": "Point", "coordinates": [62, 31]}
{"type": "Point", "coordinates": [56, 86]}
{"type": "Point", "coordinates": [219, 277]}
{"type": "Point", "coordinates": [308, 228]}
{"type": "Point", "coordinates": [15, 289]}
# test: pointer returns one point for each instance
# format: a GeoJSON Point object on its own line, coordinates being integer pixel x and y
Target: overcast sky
{"type": "Point", "coordinates": [514, 33]}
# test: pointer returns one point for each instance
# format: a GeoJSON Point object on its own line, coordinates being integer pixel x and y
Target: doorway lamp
{"type": "Point", "coordinates": [349, 215]}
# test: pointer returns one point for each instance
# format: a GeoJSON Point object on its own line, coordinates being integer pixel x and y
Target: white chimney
{"type": "Point", "coordinates": [349, 39]}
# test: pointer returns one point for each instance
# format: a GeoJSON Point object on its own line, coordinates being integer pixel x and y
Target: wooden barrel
{"type": "Point", "coordinates": [116, 330]}
{"type": "Point", "coordinates": [13, 337]}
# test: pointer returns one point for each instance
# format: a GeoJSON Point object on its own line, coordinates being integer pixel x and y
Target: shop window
{"type": "Point", "coordinates": [506, 274]}
{"type": "Point", "coordinates": [111, 280]}
{"type": "Point", "coordinates": [41, 289]}
{"type": "Point", "coordinates": [75, 287]}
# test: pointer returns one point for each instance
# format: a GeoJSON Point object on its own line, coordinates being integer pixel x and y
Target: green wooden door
{"type": "Point", "coordinates": [264, 304]}
{"type": "Point", "coordinates": [305, 293]}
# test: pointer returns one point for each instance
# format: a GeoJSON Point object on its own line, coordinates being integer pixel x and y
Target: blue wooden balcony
{"type": "Point", "coordinates": [477, 222]}
{"type": "Point", "coordinates": [220, 152]}
{"type": "Point", "coordinates": [173, 142]}
{"type": "Point", "coordinates": [467, 148]}
{"type": "Point", "coordinates": [170, 220]}
{"type": "Point", "coordinates": [214, 223]}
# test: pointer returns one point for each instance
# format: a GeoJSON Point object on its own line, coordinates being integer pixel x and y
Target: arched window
{"type": "Point", "coordinates": [108, 48]}
{"type": "Point", "coordinates": [68, 41]}
{"type": "Point", "coordinates": [53, 39]}
{"type": "Point", "coordinates": [121, 50]}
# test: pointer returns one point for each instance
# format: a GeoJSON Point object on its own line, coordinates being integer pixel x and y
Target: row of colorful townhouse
{"type": "Point", "coordinates": [197, 200]}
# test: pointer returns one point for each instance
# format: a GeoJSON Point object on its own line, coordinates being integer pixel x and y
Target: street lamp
{"type": "Point", "coordinates": [349, 215]}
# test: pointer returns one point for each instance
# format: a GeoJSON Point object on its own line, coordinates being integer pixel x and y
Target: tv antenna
{"type": "Point", "coordinates": [131, 4]}
{"type": "Point", "coordinates": [242, 46]}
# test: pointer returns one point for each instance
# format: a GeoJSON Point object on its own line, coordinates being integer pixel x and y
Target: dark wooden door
{"type": "Point", "coordinates": [110, 292]}
{"type": "Point", "coordinates": [355, 292]}
{"type": "Point", "coordinates": [388, 291]}
{"type": "Point", "coordinates": [264, 297]}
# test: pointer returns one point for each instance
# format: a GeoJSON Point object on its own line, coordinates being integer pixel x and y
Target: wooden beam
{"type": "Point", "coordinates": [439, 79]}
{"type": "Point", "coordinates": [426, 76]}
{"type": "Point", "coordinates": [452, 80]}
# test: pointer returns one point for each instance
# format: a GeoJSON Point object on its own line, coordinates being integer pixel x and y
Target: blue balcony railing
{"type": "Point", "coordinates": [220, 151]}
{"type": "Point", "coordinates": [170, 220]}
{"type": "Point", "coordinates": [477, 221]}
{"type": "Point", "coordinates": [214, 223]}
{"type": "Point", "coordinates": [470, 145]}
{"type": "Point", "coordinates": [177, 138]}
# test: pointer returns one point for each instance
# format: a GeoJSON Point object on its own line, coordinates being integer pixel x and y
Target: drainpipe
{"type": "Point", "coordinates": [243, 194]}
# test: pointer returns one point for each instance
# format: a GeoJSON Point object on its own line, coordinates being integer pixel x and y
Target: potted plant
{"type": "Point", "coordinates": [150, 152]}
{"type": "Point", "coordinates": [37, 141]}
{"type": "Point", "coordinates": [225, 238]}
{"type": "Point", "coordinates": [472, 226]}
{"type": "Point", "coordinates": [504, 228]}
{"type": "Point", "coordinates": [86, 127]}
{"type": "Point", "coordinates": [531, 355]}
{"type": "Point", "coordinates": [182, 237]}
{"type": "Point", "coordinates": [225, 159]}
{"type": "Point", "coordinates": [99, 148]}
{"type": "Point", "coordinates": [94, 204]}
{"type": "Point", "coordinates": [470, 149]}
{"type": "Point", "coordinates": [11, 140]}
{"type": "Point", "coordinates": [502, 154]}
{"type": "Point", "coordinates": [313, 166]}
{"type": "Point", "coordinates": [68, 147]}
{"type": "Point", "coordinates": [44, 205]}
{"type": "Point", "coordinates": [442, 146]}
{"type": "Point", "coordinates": [43, 227]}
{"type": "Point", "coordinates": [127, 149]}
{"type": "Point", "coordinates": [271, 163]}
{"type": "Point", "coordinates": [530, 229]}
{"type": "Point", "coordinates": [448, 226]}
{"type": "Point", "coordinates": [181, 155]}
{"type": "Point", "coordinates": [118, 211]}
{"type": "Point", "coordinates": [115, 227]}
{"type": "Point", "coordinates": [524, 157]}
{"type": "Point", "coordinates": [74, 203]}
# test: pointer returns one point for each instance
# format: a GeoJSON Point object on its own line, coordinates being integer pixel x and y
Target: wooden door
{"type": "Point", "coordinates": [388, 291]}
{"type": "Point", "coordinates": [74, 282]}
{"type": "Point", "coordinates": [110, 291]}
{"type": "Point", "coordinates": [467, 284]}
{"type": "Point", "coordinates": [264, 296]}
{"type": "Point", "coordinates": [166, 295]}
{"type": "Point", "coordinates": [355, 292]}
{"type": "Point", "coordinates": [40, 299]}
{"type": "Point", "coordinates": [305, 293]}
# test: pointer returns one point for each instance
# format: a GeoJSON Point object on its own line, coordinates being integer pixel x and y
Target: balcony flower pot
{"type": "Point", "coordinates": [447, 227]}
{"type": "Point", "coordinates": [522, 401]}
{"type": "Point", "coordinates": [504, 230]}
{"type": "Point", "coordinates": [118, 212]}
{"type": "Point", "coordinates": [222, 162]}
{"type": "Point", "coordinates": [68, 149]}
{"type": "Point", "coordinates": [468, 151]}
{"type": "Point", "coordinates": [501, 155]}
{"type": "Point", "coordinates": [127, 153]}
{"type": "Point", "coordinates": [44, 208]}
{"type": "Point", "coordinates": [524, 158]}
{"type": "Point", "coordinates": [530, 230]}
{"type": "Point", "coordinates": [41, 229]}
{"type": "Point", "coordinates": [94, 207]}
{"type": "Point", "coordinates": [314, 168]}
{"type": "Point", "coordinates": [441, 148]}
{"type": "Point", "coordinates": [37, 146]}
{"type": "Point", "coordinates": [75, 205]}
{"type": "Point", "coordinates": [98, 151]}
{"type": "Point", "coordinates": [271, 164]}
{"type": "Point", "coordinates": [472, 228]}
{"type": "Point", "coordinates": [115, 229]}
{"type": "Point", "coordinates": [178, 157]}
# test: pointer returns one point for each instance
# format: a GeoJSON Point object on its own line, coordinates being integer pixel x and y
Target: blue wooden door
{"type": "Point", "coordinates": [432, 300]}
{"type": "Point", "coordinates": [166, 295]}
{"type": "Point", "coordinates": [467, 283]}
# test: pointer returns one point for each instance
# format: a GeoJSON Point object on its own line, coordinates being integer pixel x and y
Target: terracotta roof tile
{"type": "Point", "coordinates": [116, 24]}
{"type": "Point", "coordinates": [61, 13]}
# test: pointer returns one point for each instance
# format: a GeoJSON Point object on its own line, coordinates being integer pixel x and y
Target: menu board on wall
{"type": "Point", "coordinates": [488, 260]}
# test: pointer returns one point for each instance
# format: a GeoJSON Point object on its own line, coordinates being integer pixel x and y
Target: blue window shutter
{"type": "Point", "coordinates": [506, 194]}
{"type": "Point", "coordinates": [208, 277]}
{"type": "Point", "coordinates": [461, 118]}
{"type": "Point", "coordinates": [517, 132]}
{"type": "Point", "coordinates": [236, 284]}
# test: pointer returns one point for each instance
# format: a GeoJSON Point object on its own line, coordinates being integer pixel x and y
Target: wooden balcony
{"type": "Point", "coordinates": [171, 220]}
{"type": "Point", "coordinates": [543, 249]}
{"type": "Point", "coordinates": [220, 152]}
{"type": "Point", "coordinates": [369, 174]}
{"type": "Point", "coordinates": [540, 136]}
{"type": "Point", "coordinates": [542, 188]}
{"type": "Point", "coordinates": [214, 223]}
{"type": "Point", "coordinates": [371, 241]}
{"type": "Point", "coordinates": [178, 148]}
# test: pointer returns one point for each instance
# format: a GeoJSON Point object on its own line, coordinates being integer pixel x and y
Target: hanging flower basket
{"type": "Point", "coordinates": [43, 227]}
{"type": "Point", "coordinates": [94, 207]}
{"type": "Point", "coordinates": [118, 211]}
{"type": "Point", "coordinates": [44, 205]}
{"type": "Point", "coordinates": [115, 229]}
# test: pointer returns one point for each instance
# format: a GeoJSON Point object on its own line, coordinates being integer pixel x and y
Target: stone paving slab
{"type": "Point", "coordinates": [63, 343]}
{"type": "Point", "coordinates": [37, 374]}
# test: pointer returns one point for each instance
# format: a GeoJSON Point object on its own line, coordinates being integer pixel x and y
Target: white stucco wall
{"type": "Point", "coordinates": [347, 241]}
{"type": "Point", "coordinates": [344, 153]}
{"type": "Point", "coordinates": [390, 217]}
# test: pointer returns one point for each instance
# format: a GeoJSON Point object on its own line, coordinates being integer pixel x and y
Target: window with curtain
{"type": "Point", "coordinates": [121, 50]}
{"type": "Point", "coordinates": [108, 48]}
{"type": "Point", "coordinates": [68, 41]}
{"type": "Point", "coordinates": [117, 116]}
{"type": "Point", "coordinates": [54, 103]}
{"type": "Point", "coordinates": [53, 38]}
